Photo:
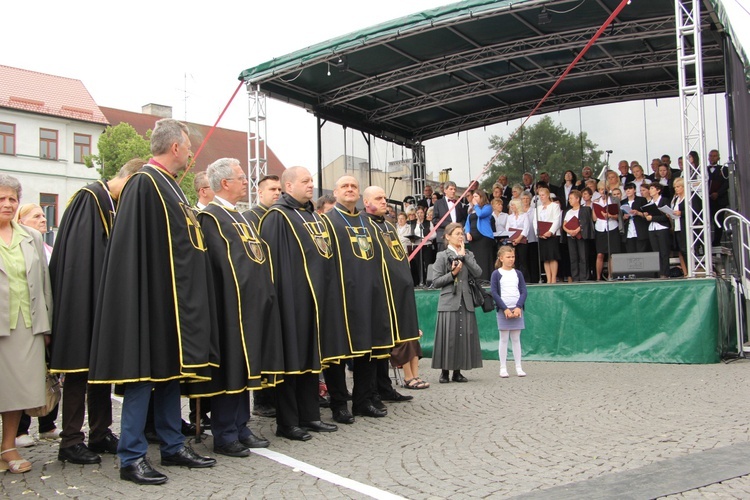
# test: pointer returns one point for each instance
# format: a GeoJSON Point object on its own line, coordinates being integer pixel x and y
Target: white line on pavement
{"type": "Point", "coordinates": [365, 489]}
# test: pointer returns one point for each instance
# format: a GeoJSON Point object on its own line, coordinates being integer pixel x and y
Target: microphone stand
{"type": "Point", "coordinates": [538, 246]}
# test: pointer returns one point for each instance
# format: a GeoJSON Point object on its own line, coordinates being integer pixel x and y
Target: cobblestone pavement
{"type": "Point", "coordinates": [488, 438]}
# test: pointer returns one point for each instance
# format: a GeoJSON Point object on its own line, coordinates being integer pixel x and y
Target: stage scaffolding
{"type": "Point", "coordinates": [256, 140]}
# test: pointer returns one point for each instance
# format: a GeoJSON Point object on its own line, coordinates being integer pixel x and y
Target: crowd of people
{"type": "Point", "coordinates": [570, 230]}
{"type": "Point", "coordinates": [162, 299]}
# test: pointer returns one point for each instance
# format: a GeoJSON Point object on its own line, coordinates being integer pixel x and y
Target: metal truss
{"type": "Point", "coordinates": [256, 140]}
{"type": "Point", "coordinates": [653, 90]}
{"type": "Point", "coordinates": [418, 169]}
{"type": "Point", "coordinates": [691, 90]}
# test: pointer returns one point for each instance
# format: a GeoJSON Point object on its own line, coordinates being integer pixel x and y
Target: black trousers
{"type": "Point", "coordinates": [77, 395]}
{"type": "Point", "coordinates": [365, 371]}
{"type": "Point", "coordinates": [335, 377]}
{"type": "Point", "coordinates": [577, 251]}
{"type": "Point", "coordinates": [661, 242]}
{"type": "Point", "coordinates": [46, 423]}
{"type": "Point", "coordinates": [297, 400]}
{"type": "Point", "coordinates": [383, 377]}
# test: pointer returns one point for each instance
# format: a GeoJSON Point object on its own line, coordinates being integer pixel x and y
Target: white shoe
{"type": "Point", "coordinates": [503, 373]}
{"type": "Point", "coordinates": [24, 441]}
{"type": "Point", "coordinates": [53, 435]}
{"type": "Point", "coordinates": [520, 372]}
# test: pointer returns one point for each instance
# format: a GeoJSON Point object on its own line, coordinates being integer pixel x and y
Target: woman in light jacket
{"type": "Point", "coordinates": [549, 239]}
{"type": "Point", "coordinates": [25, 319]}
{"type": "Point", "coordinates": [456, 333]}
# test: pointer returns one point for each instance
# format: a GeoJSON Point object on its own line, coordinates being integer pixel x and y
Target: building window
{"type": "Point", "coordinates": [48, 202]}
{"type": "Point", "coordinates": [7, 139]}
{"type": "Point", "coordinates": [81, 147]}
{"type": "Point", "coordinates": [48, 144]}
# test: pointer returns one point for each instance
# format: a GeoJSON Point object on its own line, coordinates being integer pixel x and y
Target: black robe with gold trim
{"type": "Point", "coordinates": [399, 283]}
{"type": "Point", "coordinates": [255, 214]}
{"type": "Point", "coordinates": [307, 286]}
{"type": "Point", "coordinates": [367, 314]}
{"type": "Point", "coordinates": [155, 320]}
{"type": "Point", "coordinates": [75, 271]}
{"type": "Point", "coordinates": [248, 312]}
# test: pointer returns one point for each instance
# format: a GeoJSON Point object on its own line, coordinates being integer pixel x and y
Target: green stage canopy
{"type": "Point", "coordinates": [479, 62]}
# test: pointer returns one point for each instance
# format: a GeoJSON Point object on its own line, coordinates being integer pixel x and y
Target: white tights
{"type": "Point", "coordinates": [515, 339]}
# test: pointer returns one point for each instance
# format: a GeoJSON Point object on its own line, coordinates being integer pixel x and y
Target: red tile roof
{"type": "Point", "coordinates": [223, 143]}
{"type": "Point", "coordinates": [47, 94]}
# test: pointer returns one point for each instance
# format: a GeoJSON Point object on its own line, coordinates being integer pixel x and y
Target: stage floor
{"type": "Point", "coordinates": [646, 321]}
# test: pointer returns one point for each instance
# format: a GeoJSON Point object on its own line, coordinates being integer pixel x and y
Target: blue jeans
{"type": "Point", "coordinates": [167, 419]}
{"type": "Point", "coordinates": [229, 416]}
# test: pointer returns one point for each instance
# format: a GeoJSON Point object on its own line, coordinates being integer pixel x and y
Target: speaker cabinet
{"type": "Point", "coordinates": [629, 266]}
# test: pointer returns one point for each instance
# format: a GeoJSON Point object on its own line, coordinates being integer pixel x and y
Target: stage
{"type": "Point", "coordinates": [646, 321]}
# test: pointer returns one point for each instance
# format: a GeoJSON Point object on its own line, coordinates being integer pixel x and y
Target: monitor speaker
{"type": "Point", "coordinates": [630, 266]}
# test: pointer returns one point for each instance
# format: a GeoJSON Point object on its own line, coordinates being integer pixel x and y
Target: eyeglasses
{"type": "Point", "coordinates": [240, 178]}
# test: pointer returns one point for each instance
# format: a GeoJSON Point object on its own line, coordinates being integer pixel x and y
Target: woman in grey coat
{"type": "Point", "coordinates": [456, 334]}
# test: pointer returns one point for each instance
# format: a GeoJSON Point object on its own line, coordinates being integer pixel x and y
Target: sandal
{"type": "Point", "coordinates": [14, 466]}
{"type": "Point", "coordinates": [426, 384]}
{"type": "Point", "coordinates": [418, 384]}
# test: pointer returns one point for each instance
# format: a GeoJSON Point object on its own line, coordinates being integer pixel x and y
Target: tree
{"type": "Point", "coordinates": [543, 147]}
{"type": "Point", "coordinates": [118, 145]}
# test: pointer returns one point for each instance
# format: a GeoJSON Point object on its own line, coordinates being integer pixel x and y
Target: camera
{"type": "Point", "coordinates": [455, 258]}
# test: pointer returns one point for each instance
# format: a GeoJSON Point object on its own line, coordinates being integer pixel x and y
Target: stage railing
{"type": "Point", "coordinates": [740, 230]}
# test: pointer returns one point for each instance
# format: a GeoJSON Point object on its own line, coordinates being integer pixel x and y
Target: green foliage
{"type": "Point", "coordinates": [188, 188]}
{"type": "Point", "coordinates": [543, 147]}
{"type": "Point", "coordinates": [118, 145]}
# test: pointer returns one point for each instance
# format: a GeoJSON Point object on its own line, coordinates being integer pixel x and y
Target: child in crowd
{"type": "Point", "coordinates": [509, 291]}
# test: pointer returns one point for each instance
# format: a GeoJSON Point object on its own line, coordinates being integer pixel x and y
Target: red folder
{"type": "Point", "coordinates": [543, 227]}
{"type": "Point", "coordinates": [600, 211]}
{"type": "Point", "coordinates": [515, 233]}
{"type": "Point", "coordinates": [572, 225]}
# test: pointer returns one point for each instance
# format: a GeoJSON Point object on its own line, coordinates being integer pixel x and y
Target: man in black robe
{"type": "Point", "coordinates": [155, 324]}
{"type": "Point", "coordinates": [398, 285]}
{"type": "Point", "coordinates": [249, 319]}
{"type": "Point", "coordinates": [269, 190]}
{"type": "Point", "coordinates": [75, 271]}
{"type": "Point", "coordinates": [366, 311]}
{"type": "Point", "coordinates": [308, 289]}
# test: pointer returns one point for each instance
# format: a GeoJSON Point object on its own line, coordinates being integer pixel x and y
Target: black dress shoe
{"type": "Point", "coordinates": [293, 432]}
{"type": "Point", "coordinates": [263, 410]}
{"type": "Point", "coordinates": [233, 449]}
{"type": "Point", "coordinates": [457, 377]}
{"type": "Point", "coordinates": [141, 472]}
{"type": "Point", "coordinates": [186, 457]}
{"type": "Point", "coordinates": [395, 397]}
{"type": "Point", "coordinates": [444, 378]}
{"type": "Point", "coordinates": [378, 403]}
{"type": "Point", "coordinates": [106, 445]}
{"type": "Point", "coordinates": [343, 416]}
{"type": "Point", "coordinates": [324, 402]}
{"type": "Point", "coordinates": [369, 411]}
{"type": "Point", "coordinates": [318, 426]}
{"type": "Point", "coordinates": [78, 454]}
{"type": "Point", "coordinates": [253, 441]}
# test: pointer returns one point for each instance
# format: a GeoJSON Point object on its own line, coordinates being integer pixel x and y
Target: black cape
{"type": "Point", "coordinates": [155, 320]}
{"type": "Point", "coordinates": [307, 285]}
{"type": "Point", "coordinates": [248, 312]}
{"type": "Point", "coordinates": [398, 280]}
{"type": "Point", "coordinates": [75, 271]}
{"type": "Point", "coordinates": [367, 316]}
{"type": "Point", "coordinates": [255, 214]}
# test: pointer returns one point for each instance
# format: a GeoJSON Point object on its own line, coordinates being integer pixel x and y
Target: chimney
{"type": "Point", "coordinates": [157, 110]}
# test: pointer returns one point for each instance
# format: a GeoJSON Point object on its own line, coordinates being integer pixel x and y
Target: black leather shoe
{"type": "Point", "coordinates": [106, 445]}
{"type": "Point", "coordinates": [395, 397]}
{"type": "Point", "coordinates": [78, 454]}
{"type": "Point", "coordinates": [457, 377]}
{"type": "Point", "coordinates": [141, 472]}
{"type": "Point", "coordinates": [369, 411]}
{"type": "Point", "coordinates": [318, 426]}
{"type": "Point", "coordinates": [186, 457]}
{"type": "Point", "coordinates": [324, 402]}
{"type": "Point", "coordinates": [233, 449]}
{"type": "Point", "coordinates": [378, 403]}
{"type": "Point", "coordinates": [262, 410]}
{"type": "Point", "coordinates": [343, 416]}
{"type": "Point", "coordinates": [293, 432]}
{"type": "Point", "coordinates": [444, 378]}
{"type": "Point", "coordinates": [253, 441]}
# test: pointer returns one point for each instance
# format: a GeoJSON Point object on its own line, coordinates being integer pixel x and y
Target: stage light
{"type": "Point", "coordinates": [544, 17]}
{"type": "Point", "coordinates": [329, 68]}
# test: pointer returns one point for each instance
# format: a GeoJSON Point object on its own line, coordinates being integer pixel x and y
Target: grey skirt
{"type": "Point", "coordinates": [457, 341]}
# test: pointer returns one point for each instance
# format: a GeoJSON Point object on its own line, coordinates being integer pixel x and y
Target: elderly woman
{"type": "Point", "coordinates": [32, 215]}
{"type": "Point", "coordinates": [680, 228]}
{"type": "Point", "coordinates": [456, 333]}
{"type": "Point", "coordinates": [25, 319]}
{"type": "Point", "coordinates": [547, 222]}
{"type": "Point", "coordinates": [478, 230]}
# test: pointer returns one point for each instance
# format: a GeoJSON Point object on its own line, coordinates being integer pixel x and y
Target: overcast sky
{"type": "Point", "coordinates": [188, 55]}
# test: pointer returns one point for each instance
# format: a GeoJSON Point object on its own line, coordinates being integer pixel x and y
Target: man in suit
{"type": "Point", "coordinates": [203, 190]}
{"type": "Point", "coordinates": [625, 175]}
{"type": "Point", "coordinates": [718, 192]}
{"type": "Point", "coordinates": [507, 191]}
{"type": "Point", "coordinates": [426, 200]}
{"type": "Point", "coordinates": [528, 182]}
{"type": "Point", "coordinates": [447, 205]}
{"type": "Point", "coordinates": [667, 160]}
{"type": "Point", "coordinates": [544, 177]}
